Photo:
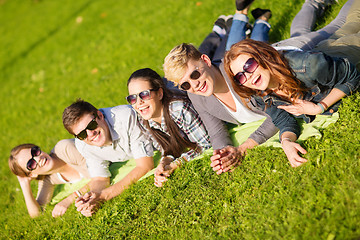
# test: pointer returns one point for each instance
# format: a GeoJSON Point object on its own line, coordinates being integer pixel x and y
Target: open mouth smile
{"type": "Point", "coordinates": [144, 109]}
{"type": "Point", "coordinates": [256, 81]}
{"type": "Point", "coordinates": [95, 137]}
{"type": "Point", "coordinates": [202, 88]}
{"type": "Point", "coordinates": [43, 162]}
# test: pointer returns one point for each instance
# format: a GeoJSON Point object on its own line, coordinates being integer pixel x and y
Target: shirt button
{"type": "Point", "coordinates": [331, 110]}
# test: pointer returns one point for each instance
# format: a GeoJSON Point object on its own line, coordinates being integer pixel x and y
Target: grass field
{"type": "Point", "coordinates": [56, 51]}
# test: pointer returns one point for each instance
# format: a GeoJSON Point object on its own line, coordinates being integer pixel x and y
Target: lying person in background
{"type": "Point", "coordinates": [213, 96]}
{"type": "Point", "coordinates": [289, 85]}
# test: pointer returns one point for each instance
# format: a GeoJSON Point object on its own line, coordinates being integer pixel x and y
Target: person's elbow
{"type": "Point", "coordinates": [34, 214]}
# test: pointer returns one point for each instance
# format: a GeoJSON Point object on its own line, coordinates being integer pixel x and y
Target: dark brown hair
{"type": "Point", "coordinates": [268, 58]}
{"type": "Point", "coordinates": [173, 143]}
{"type": "Point", "coordinates": [75, 111]}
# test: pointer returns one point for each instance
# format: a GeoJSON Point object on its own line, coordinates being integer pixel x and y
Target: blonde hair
{"type": "Point", "coordinates": [175, 63]}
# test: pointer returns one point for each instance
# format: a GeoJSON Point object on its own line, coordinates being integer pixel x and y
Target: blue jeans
{"type": "Point", "coordinates": [210, 44]}
{"type": "Point", "coordinates": [260, 31]}
{"type": "Point", "coordinates": [237, 33]}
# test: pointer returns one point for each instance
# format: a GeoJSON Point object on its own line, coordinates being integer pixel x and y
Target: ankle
{"type": "Point", "coordinates": [244, 11]}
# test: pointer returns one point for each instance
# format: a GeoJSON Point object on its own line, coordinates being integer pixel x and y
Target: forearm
{"type": "Point", "coordinates": [248, 144]}
{"type": "Point", "coordinates": [119, 187]}
{"type": "Point", "coordinates": [265, 131]}
{"type": "Point", "coordinates": [334, 96]}
{"type": "Point", "coordinates": [97, 184]}
{"type": "Point", "coordinates": [32, 205]}
{"type": "Point", "coordinates": [97, 187]}
{"type": "Point", "coordinates": [288, 136]}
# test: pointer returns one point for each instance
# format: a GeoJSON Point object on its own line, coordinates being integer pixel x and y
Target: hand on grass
{"type": "Point", "coordinates": [61, 207]}
{"type": "Point", "coordinates": [302, 107]}
{"type": "Point", "coordinates": [226, 159]}
{"type": "Point", "coordinates": [291, 150]}
{"type": "Point", "coordinates": [165, 168]}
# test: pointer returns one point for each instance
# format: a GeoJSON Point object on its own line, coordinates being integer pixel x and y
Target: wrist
{"type": "Point", "coordinates": [241, 150]}
{"type": "Point", "coordinates": [166, 160]}
{"type": "Point", "coordinates": [77, 194]}
{"type": "Point", "coordinates": [248, 144]}
{"type": "Point", "coordinates": [104, 195]}
{"type": "Point", "coordinates": [285, 139]}
{"type": "Point", "coordinates": [323, 106]}
{"type": "Point", "coordinates": [179, 161]}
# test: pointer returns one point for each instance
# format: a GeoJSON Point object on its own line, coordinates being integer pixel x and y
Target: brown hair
{"type": "Point", "coordinates": [75, 111]}
{"type": "Point", "coordinates": [268, 58]}
{"type": "Point", "coordinates": [13, 161]}
{"type": "Point", "coordinates": [175, 63]}
{"type": "Point", "coordinates": [172, 143]}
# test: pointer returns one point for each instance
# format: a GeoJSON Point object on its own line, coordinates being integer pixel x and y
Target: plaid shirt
{"type": "Point", "coordinates": [190, 124]}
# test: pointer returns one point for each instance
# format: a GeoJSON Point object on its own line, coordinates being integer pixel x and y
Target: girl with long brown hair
{"type": "Point", "coordinates": [290, 84]}
{"type": "Point", "coordinates": [170, 118]}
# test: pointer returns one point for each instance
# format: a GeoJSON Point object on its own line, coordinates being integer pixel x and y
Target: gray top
{"type": "Point", "coordinates": [214, 115]}
{"type": "Point", "coordinates": [128, 142]}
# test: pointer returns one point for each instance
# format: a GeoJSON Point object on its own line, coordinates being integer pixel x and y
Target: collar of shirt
{"type": "Point", "coordinates": [162, 127]}
{"type": "Point", "coordinates": [115, 137]}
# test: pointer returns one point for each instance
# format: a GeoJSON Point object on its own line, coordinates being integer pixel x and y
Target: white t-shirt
{"type": "Point", "coordinates": [242, 113]}
{"type": "Point", "coordinates": [128, 142]}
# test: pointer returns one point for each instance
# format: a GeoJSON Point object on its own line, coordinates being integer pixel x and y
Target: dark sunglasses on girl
{"type": "Point", "coordinates": [193, 76]}
{"type": "Point", "coordinates": [249, 67]}
{"type": "Point", "coordinates": [91, 126]}
{"type": "Point", "coordinates": [144, 95]}
{"type": "Point", "coordinates": [32, 163]}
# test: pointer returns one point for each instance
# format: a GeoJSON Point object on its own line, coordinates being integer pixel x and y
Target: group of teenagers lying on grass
{"type": "Point", "coordinates": [233, 77]}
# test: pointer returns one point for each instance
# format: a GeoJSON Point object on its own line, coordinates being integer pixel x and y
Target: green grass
{"type": "Point", "coordinates": [48, 60]}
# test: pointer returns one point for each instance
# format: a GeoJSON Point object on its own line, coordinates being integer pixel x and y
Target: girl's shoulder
{"type": "Point", "coordinates": [181, 110]}
{"type": "Point", "coordinates": [180, 105]}
{"type": "Point", "coordinates": [305, 61]}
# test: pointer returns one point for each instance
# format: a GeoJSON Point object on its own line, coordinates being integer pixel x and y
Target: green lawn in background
{"type": "Point", "coordinates": [56, 51]}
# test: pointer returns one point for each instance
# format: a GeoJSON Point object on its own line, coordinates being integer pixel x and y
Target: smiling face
{"type": "Point", "coordinates": [204, 81]}
{"type": "Point", "coordinates": [151, 108]}
{"type": "Point", "coordinates": [45, 164]}
{"type": "Point", "coordinates": [100, 136]}
{"type": "Point", "coordinates": [260, 79]}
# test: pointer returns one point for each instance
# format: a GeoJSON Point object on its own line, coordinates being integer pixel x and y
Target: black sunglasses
{"type": "Point", "coordinates": [249, 67]}
{"type": "Point", "coordinates": [144, 95]}
{"type": "Point", "coordinates": [193, 76]}
{"type": "Point", "coordinates": [91, 126]}
{"type": "Point", "coordinates": [32, 163]}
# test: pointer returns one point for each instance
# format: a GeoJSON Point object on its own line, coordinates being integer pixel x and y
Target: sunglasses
{"type": "Point", "coordinates": [32, 163]}
{"type": "Point", "coordinates": [91, 126]}
{"type": "Point", "coordinates": [144, 95]}
{"type": "Point", "coordinates": [193, 76]}
{"type": "Point", "coordinates": [249, 67]}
